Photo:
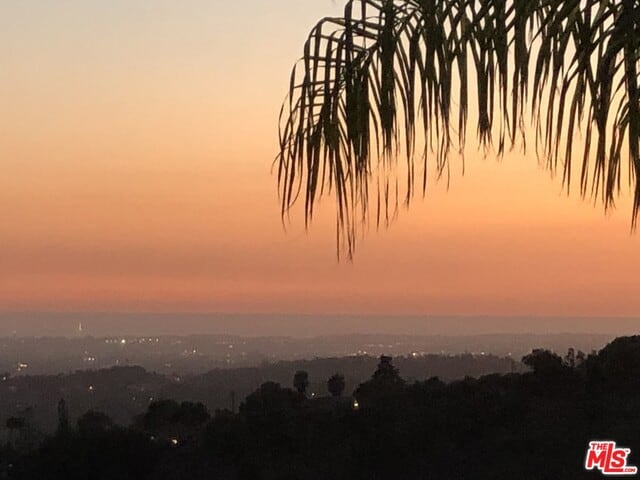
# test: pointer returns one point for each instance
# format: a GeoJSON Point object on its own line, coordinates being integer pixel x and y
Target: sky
{"type": "Point", "coordinates": [137, 140]}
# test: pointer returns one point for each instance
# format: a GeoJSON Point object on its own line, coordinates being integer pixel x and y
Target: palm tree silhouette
{"type": "Point", "coordinates": [395, 76]}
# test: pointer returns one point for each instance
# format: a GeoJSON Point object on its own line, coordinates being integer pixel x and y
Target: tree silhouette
{"type": "Point", "coordinates": [393, 76]}
{"type": "Point", "coordinates": [385, 384]}
{"type": "Point", "coordinates": [172, 420]}
{"type": "Point", "coordinates": [543, 362]}
{"type": "Point", "coordinates": [618, 363]}
{"type": "Point", "coordinates": [301, 381]}
{"type": "Point", "coordinates": [336, 385]}
{"type": "Point", "coordinates": [386, 372]}
{"type": "Point", "coordinates": [570, 358]}
{"type": "Point", "coordinates": [64, 427]}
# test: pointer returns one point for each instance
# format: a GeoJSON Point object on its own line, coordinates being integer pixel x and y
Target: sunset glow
{"type": "Point", "coordinates": [137, 142]}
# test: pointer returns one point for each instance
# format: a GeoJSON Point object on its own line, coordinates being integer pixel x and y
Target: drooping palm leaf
{"type": "Point", "coordinates": [394, 76]}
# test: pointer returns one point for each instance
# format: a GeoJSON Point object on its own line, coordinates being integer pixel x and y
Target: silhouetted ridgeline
{"type": "Point", "coordinates": [533, 424]}
{"type": "Point", "coordinates": [123, 392]}
{"type": "Point", "coordinates": [201, 353]}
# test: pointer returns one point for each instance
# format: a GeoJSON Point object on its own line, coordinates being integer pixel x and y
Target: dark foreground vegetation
{"type": "Point", "coordinates": [123, 392]}
{"type": "Point", "coordinates": [533, 425]}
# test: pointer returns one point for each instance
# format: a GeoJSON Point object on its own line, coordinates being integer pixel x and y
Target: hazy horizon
{"type": "Point", "coordinates": [65, 324]}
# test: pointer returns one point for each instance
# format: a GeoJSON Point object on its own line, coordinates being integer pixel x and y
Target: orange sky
{"type": "Point", "coordinates": [136, 143]}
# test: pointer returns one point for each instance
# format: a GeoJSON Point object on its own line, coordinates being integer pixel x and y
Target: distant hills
{"type": "Point", "coordinates": [200, 353]}
{"type": "Point", "coordinates": [122, 392]}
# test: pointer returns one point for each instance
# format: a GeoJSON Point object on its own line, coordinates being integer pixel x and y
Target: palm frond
{"type": "Point", "coordinates": [389, 73]}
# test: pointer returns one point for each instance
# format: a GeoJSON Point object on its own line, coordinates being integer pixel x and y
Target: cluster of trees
{"type": "Point", "coordinates": [125, 391]}
{"type": "Point", "coordinates": [335, 384]}
{"type": "Point", "coordinates": [531, 425]}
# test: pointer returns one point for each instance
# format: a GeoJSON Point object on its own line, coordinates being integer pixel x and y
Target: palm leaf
{"type": "Point", "coordinates": [390, 79]}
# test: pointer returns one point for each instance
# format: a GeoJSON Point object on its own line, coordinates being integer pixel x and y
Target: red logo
{"type": "Point", "coordinates": [608, 458]}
